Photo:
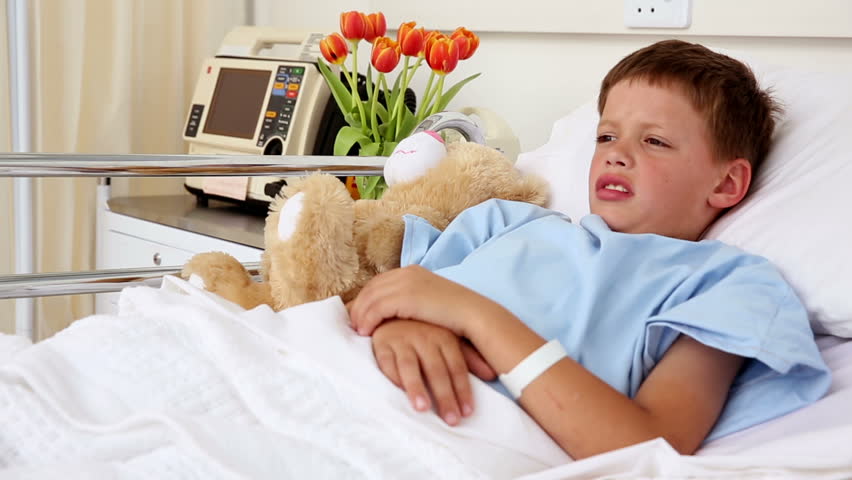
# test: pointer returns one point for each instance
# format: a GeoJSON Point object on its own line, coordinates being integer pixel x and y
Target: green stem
{"type": "Point", "coordinates": [373, 115]}
{"type": "Point", "coordinates": [397, 111]}
{"type": "Point", "coordinates": [427, 97]}
{"type": "Point", "coordinates": [353, 82]}
{"type": "Point", "coordinates": [440, 90]}
{"type": "Point", "coordinates": [389, 131]}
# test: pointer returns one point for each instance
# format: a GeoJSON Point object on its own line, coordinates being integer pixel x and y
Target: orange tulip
{"type": "Point", "coordinates": [376, 26]}
{"type": "Point", "coordinates": [411, 40]}
{"type": "Point", "coordinates": [430, 37]}
{"type": "Point", "coordinates": [467, 42]}
{"type": "Point", "coordinates": [385, 54]}
{"type": "Point", "coordinates": [442, 54]}
{"type": "Point", "coordinates": [334, 48]}
{"type": "Point", "coordinates": [353, 25]}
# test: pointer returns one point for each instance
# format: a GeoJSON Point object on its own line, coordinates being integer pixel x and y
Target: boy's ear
{"type": "Point", "coordinates": [733, 184]}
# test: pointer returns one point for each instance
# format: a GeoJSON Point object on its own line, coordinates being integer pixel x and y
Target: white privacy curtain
{"type": "Point", "coordinates": [108, 76]}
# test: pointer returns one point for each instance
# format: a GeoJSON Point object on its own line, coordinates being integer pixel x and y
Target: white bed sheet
{"type": "Point", "coordinates": [186, 386]}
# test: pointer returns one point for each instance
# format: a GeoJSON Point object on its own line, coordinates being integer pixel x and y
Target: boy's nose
{"type": "Point", "coordinates": [619, 157]}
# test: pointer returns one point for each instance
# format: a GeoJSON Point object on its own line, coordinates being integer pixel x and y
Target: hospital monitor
{"type": "Point", "coordinates": [256, 105]}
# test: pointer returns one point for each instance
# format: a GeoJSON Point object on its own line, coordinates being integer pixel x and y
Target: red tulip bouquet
{"type": "Point", "coordinates": [379, 121]}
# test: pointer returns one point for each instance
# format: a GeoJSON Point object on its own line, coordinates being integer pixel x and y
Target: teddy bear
{"type": "Point", "coordinates": [320, 242]}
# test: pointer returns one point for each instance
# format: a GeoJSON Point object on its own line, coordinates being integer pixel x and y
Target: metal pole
{"type": "Point", "coordinates": [99, 281]}
{"type": "Point", "coordinates": [143, 165]}
{"type": "Point", "coordinates": [19, 93]}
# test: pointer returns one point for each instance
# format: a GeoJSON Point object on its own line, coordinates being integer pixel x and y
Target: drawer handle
{"type": "Point", "coordinates": [157, 259]}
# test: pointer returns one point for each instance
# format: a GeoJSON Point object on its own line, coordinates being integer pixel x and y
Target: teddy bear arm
{"type": "Point", "coordinates": [379, 231]}
{"type": "Point", "coordinates": [225, 276]}
{"type": "Point", "coordinates": [529, 188]}
{"type": "Point", "coordinates": [310, 253]}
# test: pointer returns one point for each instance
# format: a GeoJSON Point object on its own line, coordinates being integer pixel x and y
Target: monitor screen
{"type": "Point", "coordinates": [237, 101]}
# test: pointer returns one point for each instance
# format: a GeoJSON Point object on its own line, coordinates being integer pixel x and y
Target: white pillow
{"type": "Point", "coordinates": [796, 215]}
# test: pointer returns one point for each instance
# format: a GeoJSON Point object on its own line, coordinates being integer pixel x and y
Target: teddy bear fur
{"type": "Point", "coordinates": [320, 242]}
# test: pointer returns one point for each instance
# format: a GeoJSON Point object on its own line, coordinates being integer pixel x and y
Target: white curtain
{"type": "Point", "coordinates": [109, 76]}
{"type": "Point", "coordinates": [7, 242]}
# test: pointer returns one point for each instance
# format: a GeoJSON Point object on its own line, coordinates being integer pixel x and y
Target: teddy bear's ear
{"type": "Point", "coordinates": [413, 156]}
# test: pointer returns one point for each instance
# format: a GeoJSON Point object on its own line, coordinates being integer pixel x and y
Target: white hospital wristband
{"type": "Point", "coordinates": [531, 367]}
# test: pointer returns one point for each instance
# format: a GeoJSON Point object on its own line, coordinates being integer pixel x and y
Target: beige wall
{"type": "Point", "coordinates": [542, 58]}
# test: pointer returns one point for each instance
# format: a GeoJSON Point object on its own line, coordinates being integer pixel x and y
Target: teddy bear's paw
{"type": "Point", "coordinates": [212, 270]}
{"type": "Point", "coordinates": [288, 218]}
{"type": "Point", "coordinates": [196, 281]}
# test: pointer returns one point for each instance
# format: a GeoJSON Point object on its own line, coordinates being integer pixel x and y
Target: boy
{"type": "Point", "coordinates": [660, 328]}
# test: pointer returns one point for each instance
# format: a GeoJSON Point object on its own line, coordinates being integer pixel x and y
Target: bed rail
{"type": "Point", "coordinates": [136, 165]}
{"type": "Point", "coordinates": [140, 165]}
{"type": "Point", "coordinates": [144, 165]}
{"type": "Point", "coordinates": [100, 281]}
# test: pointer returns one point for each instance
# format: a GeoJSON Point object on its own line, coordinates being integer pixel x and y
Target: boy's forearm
{"type": "Point", "coordinates": [580, 412]}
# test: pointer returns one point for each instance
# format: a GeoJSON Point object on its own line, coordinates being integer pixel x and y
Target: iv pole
{"type": "Point", "coordinates": [20, 102]}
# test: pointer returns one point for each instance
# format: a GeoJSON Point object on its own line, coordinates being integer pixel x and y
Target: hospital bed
{"type": "Point", "coordinates": [182, 384]}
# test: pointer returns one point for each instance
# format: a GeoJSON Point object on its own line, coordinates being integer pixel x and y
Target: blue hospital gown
{"type": "Point", "coordinates": [618, 301]}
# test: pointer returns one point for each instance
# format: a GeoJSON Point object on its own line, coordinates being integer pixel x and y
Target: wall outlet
{"type": "Point", "coordinates": [657, 13]}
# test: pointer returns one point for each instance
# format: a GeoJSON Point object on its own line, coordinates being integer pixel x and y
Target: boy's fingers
{"type": "Point", "coordinates": [386, 359]}
{"type": "Point", "coordinates": [440, 384]}
{"type": "Point", "coordinates": [411, 379]}
{"type": "Point", "coordinates": [457, 368]}
{"type": "Point", "coordinates": [477, 365]}
{"type": "Point", "coordinates": [370, 311]}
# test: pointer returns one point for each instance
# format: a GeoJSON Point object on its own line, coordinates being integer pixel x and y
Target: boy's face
{"type": "Point", "coordinates": [653, 169]}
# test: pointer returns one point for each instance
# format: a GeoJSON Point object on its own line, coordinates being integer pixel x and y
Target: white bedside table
{"type": "Point", "coordinates": [169, 230]}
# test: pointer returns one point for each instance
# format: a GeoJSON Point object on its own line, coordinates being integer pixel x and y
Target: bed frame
{"type": "Point", "coordinates": [137, 165]}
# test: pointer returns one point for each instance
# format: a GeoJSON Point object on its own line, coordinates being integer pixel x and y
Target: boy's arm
{"type": "Point", "coordinates": [680, 400]}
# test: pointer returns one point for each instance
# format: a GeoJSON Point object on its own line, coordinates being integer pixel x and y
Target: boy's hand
{"type": "Point", "coordinates": [422, 358]}
{"type": "Point", "coordinates": [414, 293]}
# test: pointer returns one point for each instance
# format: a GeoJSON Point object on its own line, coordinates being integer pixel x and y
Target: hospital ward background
{"type": "Point", "coordinates": [128, 77]}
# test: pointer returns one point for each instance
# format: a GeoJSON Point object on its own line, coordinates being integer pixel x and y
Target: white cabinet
{"type": "Point", "coordinates": [126, 241]}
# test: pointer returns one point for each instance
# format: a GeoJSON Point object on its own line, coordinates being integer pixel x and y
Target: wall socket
{"type": "Point", "coordinates": [657, 13]}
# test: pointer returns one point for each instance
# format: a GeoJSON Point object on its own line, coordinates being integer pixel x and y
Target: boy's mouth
{"type": "Point", "coordinates": [613, 187]}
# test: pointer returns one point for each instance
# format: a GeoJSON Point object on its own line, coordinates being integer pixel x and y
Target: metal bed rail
{"type": "Point", "coordinates": [140, 165]}
{"type": "Point", "coordinates": [146, 165]}
{"type": "Point", "coordinates": [100, 281]}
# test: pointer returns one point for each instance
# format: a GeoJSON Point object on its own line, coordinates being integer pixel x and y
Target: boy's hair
{"type": "Point", "coordinates": [740, 115]}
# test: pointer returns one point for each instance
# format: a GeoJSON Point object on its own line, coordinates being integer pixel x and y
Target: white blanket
{"type": "Point", "coordinates": [183, 385]}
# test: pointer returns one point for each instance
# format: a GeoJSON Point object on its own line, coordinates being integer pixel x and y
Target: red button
{"type": "Point", "coordinates": [292, 93]}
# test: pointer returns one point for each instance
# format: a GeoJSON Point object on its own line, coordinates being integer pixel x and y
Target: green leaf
{"type": "Point", "coordinates": [340, 93]}
{"type": "Point", "coordinates": [353, 115]}
{"type": "Point", "coordinates": [369, 149]}
{"type": "Point", "coordinates": [369, 81]}
{"type": "Point", "coordinates": [387, 148]}
{"type": "Point", "coordinates": [346, 137]}
{"type": "Point", "coordinates": [380, 188]}
{"type": "Point", "coordinates": [449, 94]}
{"type": "Point", "coordinates": [365, 189]}
{"type": "Point", "coordinates": [395, 92]}
{"type": "Point", "coordinates": [382, 111]}
{"type": "Point", "coordinates": [371, 188]}
{"type": "Point", "coordinates": [409, 121]}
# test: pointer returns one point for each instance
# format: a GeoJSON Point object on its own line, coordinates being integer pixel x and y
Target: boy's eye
{"type": "Point", "coordinates": [656, 142]}
{"type": "Point", "coordinates": [605, 138]}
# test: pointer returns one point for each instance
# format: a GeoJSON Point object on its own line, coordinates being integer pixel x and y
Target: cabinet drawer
{"type": "Point", "coordinates": [128, 251]}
